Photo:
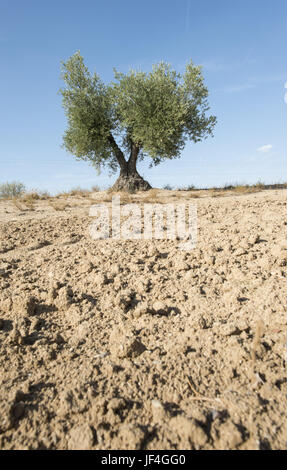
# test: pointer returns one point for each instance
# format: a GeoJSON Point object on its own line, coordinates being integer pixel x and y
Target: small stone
{"type": "Point", "coordinates": [6, 305]}
{"type": "Point", "coordinates": [229, 329]}
{"type": "Point", "coordinates": [24, 305]}
{"type": "Point", "coordinates": [125, 344]}
{"type": "Point", "coordinates": [35, 324]}
{"type": "Point", "coordinates": [100, 280]}
{"type": "Point", "coordinates": [83, 330]}
{"type": "Point", "coordinates": [64, 298]}
{"type": "Point", "coordinates": [53, 289]}
{"type": "Point", "coordinates": [73, 314]}
{"type": "Point", "coordinates": [254, 239]}
{"type": "Point", "coordinates": [159, 308]}
{"type": "Point", "coordinates": [158, 411]}
{"type": "Point", "coordinates": [59, 339]}
{"type": "Point", "coordinates": [17, 337]}
{"type": "Point", "coordinates": [131, 437]}
{"type": "Point", "coordinates": [230, 437]}
{"type": "Point", "coordinates": [18, 410]}
{"type": "Point", "coordinates": [140, 310]}
{"type": "Point", "coordinates": [81, 438]}
{"type": "Point", "coordinates": [116, 404]}
{"type": "Point", "coordinates": [153, 252]}
{"type": "Point", "coordinates": [176, 398]}
{"type": "Point", "coordinates": [85, 268]}
{"type": "Point", "coordinates": [189, 430]}
{"type": "Point", "coordinates": [240, 251]}
{"type": "Point", "coordinates": [183, 266]}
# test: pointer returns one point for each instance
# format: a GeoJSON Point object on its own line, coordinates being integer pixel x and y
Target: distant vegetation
{"type": "Point", "coordinates": [237, 187]}
{"type": "Point", "coordinates": [13, 189]}
{"type": "Point", "coordinates": [25, 199]}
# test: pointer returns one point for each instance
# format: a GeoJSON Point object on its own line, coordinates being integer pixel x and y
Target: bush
{"type": "Point", "coordinates": [13, 189]}
{"type": "Point", "coordinates": [189, 187]}
{"type": "Point", "coordinates": [31, 196]}
{"type": "Point", "coordinates": [79, 192]}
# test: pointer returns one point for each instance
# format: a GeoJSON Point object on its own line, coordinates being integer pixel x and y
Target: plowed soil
{"type": "Point", "coordinates": [135, 344]}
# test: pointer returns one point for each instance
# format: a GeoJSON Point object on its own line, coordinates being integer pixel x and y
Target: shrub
{"type": "Point", "coordinates": [79, 192]}
{"type": "Point", "coordinates": [31, 196]}
{"type": "Point", "coordinates": [57, 205]}
{"type": "Point", "coordinates": [10, 190]}
{"type": "Point", "coordinates": [189, 187]}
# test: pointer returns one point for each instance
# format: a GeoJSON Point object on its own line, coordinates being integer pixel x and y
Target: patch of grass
{"type": "Point", "coordinates": [75, 192]}
{"type": "Point", "coordinates": [62, 194]}
{"type": "Point", "coordinates": [152, 193]}
{"type": "Point", "coordinates": [29, 199]}
{"type": "Point", "coordinates": [30, 204]}
{"type": "Point", "coordinates": [79, 192]}
{"type": "Point", "coordinates": [190, 195]}
{"type": "Point", "coordinates": [239, 189]}
{"type": "Point", "coordinates": [15, 201]}
{"type": "Point", "coordinates": [31, 196]}
{"type": "Point", "coordinates": [260, 185]}
{"type": "Point", "coordinates": [58, 205]}
{"type": "Point", "coordinates": [126, 197]}
{"type": "Point", "coordinates": [151, 197]}
{"type": "Point", "coordinates": [23, 205]}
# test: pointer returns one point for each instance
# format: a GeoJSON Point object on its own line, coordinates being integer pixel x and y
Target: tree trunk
{"type": "Point", "coordinates": [129, 179]}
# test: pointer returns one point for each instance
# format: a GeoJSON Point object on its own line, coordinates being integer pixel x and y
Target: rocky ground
{"type": "Point", "coordinates": [134, 344]}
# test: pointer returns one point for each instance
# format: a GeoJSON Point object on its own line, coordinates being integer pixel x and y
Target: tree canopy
{"type": "Point", "coordinates": [138, 115]}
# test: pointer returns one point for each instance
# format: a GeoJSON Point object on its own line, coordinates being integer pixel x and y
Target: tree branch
{"type": "Point", "coordinates": [133, 156]}
{"type": "Point", "coordinates": [117, 152]}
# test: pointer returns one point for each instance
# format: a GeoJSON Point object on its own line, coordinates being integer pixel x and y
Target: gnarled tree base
{"type": "Point", "coordinates": [131, 182]}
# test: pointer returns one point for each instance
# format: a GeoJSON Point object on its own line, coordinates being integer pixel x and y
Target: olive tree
{"type": "Point", "coordinates": [138, 115]}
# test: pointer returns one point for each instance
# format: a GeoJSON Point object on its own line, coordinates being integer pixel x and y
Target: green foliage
{"type": "Point", "coordinates": [157, 111]}
{"type": "Point", "coordinates": [13, 189]}
{"type": "Point", "coordinates": [88, 108]}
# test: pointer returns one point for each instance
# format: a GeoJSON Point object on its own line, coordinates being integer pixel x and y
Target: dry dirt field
{"type": "Point", "coordinates": [136, 344]}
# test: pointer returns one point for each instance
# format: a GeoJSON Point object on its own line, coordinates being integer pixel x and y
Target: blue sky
{"type": "Point", "coordinates": [242, 46]}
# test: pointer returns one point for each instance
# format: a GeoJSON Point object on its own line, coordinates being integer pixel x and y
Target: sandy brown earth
{"type": "Point", "coordinates": [137, 345]}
